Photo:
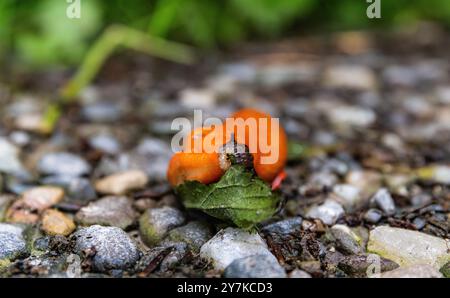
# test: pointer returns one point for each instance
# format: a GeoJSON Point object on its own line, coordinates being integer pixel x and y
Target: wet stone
{"type": "Point", "coordinates": [155, 223]}
{"type": "Point", "coordinates": [108, 211]}
{"type": "Point", "coordinates": [329, 212]}
{"type": "Point", "coordinates": [408, 247]}
{"type": "Point", "coordinates": [231, 244]}
{"type": "Point", "coordinates": [255, 266]}
{"type": "Point", "coordinates": [194, 234]}
{"type": "Point", "coordinates": [113, 248]}
{"type": "Point", "coordinates": [121, 183]}
{"type": "Point", "coordinates": [57, 223]}
{"type": "Point", "coordinates": [383, 200]}
{"type": "Point", "coordinates": [64, 164]}
{"type": "Point", "coordinates": [12, 242]}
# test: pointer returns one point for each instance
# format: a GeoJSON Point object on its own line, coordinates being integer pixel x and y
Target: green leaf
{"type": "Point", "coordinates": [239, 197]}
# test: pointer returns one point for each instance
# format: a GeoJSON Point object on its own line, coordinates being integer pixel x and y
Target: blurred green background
{"type": "Point", "coordinates": [37, 33]}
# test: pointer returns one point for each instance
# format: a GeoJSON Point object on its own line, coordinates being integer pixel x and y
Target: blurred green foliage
{"type": "Point", "coordinates": [40, 34]}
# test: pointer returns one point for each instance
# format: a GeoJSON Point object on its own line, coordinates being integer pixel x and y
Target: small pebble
{"type": "Point", "coordinates": [57, 223]}
{"type": "Point", "coordinates": [155, 223]}
{"type": "Point", "coordinates": [121, 183]}
{"type": "Point", "coordinates": [346, 240]}
{"type": "Point", "coordinates": [63, 163]}
{"type": "Point", "coordinates": [255, 266]}
{"type": "Point", "coordinates": [12, 242]}
{"type": "Point", "coordinates": [194, 234]}
{"type": "Point", "coordinates": [329, 212]}
{"type": "Point", "coordinates": [373, 216]}
{"type": "Point", "coordinates": [231, 244]}
{"type": "Point", "coordinates": [108, 211]}
{"type": "Point", "coordinates": [113, 248]}
{"type": "Point", "coordinates": [383, 200]}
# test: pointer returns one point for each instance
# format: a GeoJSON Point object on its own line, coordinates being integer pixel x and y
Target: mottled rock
{"type": "Point", "coordinates": [329, 212]}
{"type": "Point", "coordinates": [108, 211]}
{"type": "Point", "coordinates": [255, 266]}
{"type": "Point", "coordinates": [231, 244]}
{"type": "Point", "coordinates": [365, 265]}
{"type": "Point", "coordinates": [194, 234]}
{"type": "Point", "coordinates": [407, 247]}
{"type": "Point", "coordinates": [155, 223]}
{"type": "Point", "coordinates": [383, 200]}
{"type": "Point", "coordinates": [346, 240]}
{"type": "Point", "coordinates": [113, 248]}
{"type": "Point", "coordinates": [63, 163]}
{"type": "Point", "coordinates": [12, 242]}
{"type": "Point", "coordinates": [413, 271]}
{"type": "Point", "coordinates": [57, 223]}
{"type": "Point", "coordinates": [121, 183]}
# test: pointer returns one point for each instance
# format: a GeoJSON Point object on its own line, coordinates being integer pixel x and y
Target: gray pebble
{"type": "Point", "coordinates": [63, 163]}
{"type": "Point", "coordinates": [108, 211]}
{"type": "Point", "coordinates": [346, 241]}
{"type": "Point", "coordinates": [373, 216]}
{"type": "Point", "coordinates": [256, 266]}
{"type": "Point", "coordinates": [383, 200]}
{"type": "Point", "coordinates": [194, 234]}
{"type": "Point", "coordinates": [329, 212]}
{"type": "Point", "coordinates": [12, 242]}
{"type": "Point", "coordinates": [286, 226]}
{"type": "Point", "coordinates": [114, 249]}
{"type": "Point", "coordinates": [155, 223]}
{"type": "Point", "coordinates": [105, 143]}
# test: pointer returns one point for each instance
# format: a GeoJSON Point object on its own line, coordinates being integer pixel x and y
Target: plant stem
{"type": "Point", "coordinates": [116, 36]}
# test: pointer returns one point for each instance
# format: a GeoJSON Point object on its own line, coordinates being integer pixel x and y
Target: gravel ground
{"type": "Point", "coordinates": [367, 192]}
